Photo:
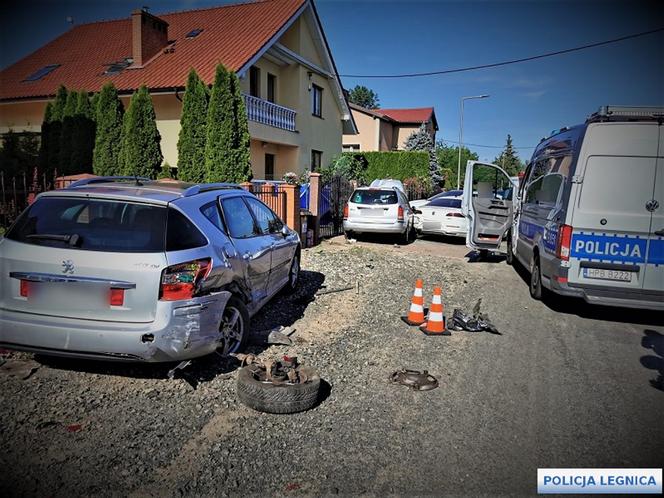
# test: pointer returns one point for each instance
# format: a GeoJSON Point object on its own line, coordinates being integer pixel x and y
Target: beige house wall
{"type": "Point", "coordinates": [22, 116]}
{"type": "Point", "coordinates": [367, 127]}
{"type": "Point", "coordinates": [293, 90]}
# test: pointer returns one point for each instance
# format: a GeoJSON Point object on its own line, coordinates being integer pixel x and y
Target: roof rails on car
{"type": "Point", "coordinates": [626, 113]}
{"type": "Point", "coordinates": [207, 187]}
{"type": "Point", "coordinates": [107, 179]}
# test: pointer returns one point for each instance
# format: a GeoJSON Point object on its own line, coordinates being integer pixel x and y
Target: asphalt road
{"type": "Point", "coordinates": [564, 385]}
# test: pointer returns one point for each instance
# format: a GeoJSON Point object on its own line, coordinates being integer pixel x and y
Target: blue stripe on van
{"type": "Point", "coordinates": [656, 252]}
{"type": "Point", "coordinates": [613, 248]}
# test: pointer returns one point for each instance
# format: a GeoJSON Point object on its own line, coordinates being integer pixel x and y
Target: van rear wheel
{"type": "Point", "coordinates": [535, 278]}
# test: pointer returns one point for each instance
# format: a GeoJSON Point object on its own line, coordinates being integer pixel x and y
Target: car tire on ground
{"type": "Point", "coordinates": [349, 235]}
{"type": "Point", "coordinates": [277, 398]}
{"type": "Point", "coordinates": [234, 328]}
{"type": "Point", "coordinates": [293, 275]}
{"type": "Point", "coordinates": [535, 278]}
{"type": "Point", "coordinates": [509, 258]}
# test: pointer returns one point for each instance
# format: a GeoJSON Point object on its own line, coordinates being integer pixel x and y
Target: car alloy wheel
{"type": "Point", "coordinates": [233, 327]}
{"type": "Point", "coordinates": [535, 279]}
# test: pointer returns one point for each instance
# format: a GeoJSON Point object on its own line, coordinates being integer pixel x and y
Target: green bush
{"type": "Point", "coordinates": [398, 165]}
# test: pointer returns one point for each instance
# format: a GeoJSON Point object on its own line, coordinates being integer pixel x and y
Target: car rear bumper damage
{"type": "Point", "coordinates": [359, 227]}
{"type": "Point", "coordinates": [181, 330]}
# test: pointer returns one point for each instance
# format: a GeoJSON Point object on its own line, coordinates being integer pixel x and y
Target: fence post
{"type": "Point", "coordinates": [315, 187]}
{"type": "Point", "coordinates": [292, 206]}
{"type": "Point", "coordinates": [246, 185]}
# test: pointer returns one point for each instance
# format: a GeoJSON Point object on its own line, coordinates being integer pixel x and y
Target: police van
{"type": "Point", "coordinates": [588, 217]}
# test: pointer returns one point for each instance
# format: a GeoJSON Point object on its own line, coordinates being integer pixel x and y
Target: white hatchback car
{"type": "Point", "coordinates": [442, 216]}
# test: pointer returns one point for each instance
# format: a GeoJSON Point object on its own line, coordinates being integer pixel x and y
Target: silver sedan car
{"type": "Point", "coordinates": [133, 269]}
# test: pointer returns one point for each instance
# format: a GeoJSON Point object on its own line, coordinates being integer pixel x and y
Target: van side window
{"type": "Point", "coordinates": [547, 179]}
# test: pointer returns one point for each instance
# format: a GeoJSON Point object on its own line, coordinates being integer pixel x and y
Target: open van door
{"type": "Point", "coordinates": [486, 205]}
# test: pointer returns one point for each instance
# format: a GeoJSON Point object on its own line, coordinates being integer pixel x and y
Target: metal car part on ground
{"type": "Point", "coordinates": [416, 380]}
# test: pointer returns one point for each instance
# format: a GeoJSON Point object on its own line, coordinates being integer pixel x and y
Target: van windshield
{"type": "Point", "coordinates": [374, 196]}
{"type": "Point", "coordinates": [92, 224]}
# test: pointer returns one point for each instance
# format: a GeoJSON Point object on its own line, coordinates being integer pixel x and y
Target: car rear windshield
{"type": "Point", "coordinates": [446, 202]}
{"type": "Point", "coordinates": [92, 224]}
{"type": "Point", "coordinates": [374, 196]}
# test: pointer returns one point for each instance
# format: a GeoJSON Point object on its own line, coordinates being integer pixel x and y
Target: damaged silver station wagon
{"type": "Point", "coordinates": [134, 269]}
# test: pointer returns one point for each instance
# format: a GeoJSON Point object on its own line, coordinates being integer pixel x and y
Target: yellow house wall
{"type": "Point", "coordinates": [22, 116]}
{"type": "Point", "coordinates": [367, 131]}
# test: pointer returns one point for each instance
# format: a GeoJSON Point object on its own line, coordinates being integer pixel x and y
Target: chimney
{"type": "Point", "coordinates": [149, 35]}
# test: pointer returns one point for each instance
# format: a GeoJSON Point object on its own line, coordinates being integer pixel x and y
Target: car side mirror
{"type": "Point", "coordinates": [285, 231]}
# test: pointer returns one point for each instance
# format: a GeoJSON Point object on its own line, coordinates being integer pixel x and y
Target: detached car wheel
{"type": "Point", "coordinates": [277, 398]}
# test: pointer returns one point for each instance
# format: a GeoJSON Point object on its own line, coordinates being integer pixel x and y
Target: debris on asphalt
{"type": "Point", "coordinates": [180, 366]}
{"type": "Point", "coordinates": [23, 369]}
{"type": "Point", "coordinates": [416, 380]}
{"type": "Point", "coordinates": [74, 428]}
{"type": "Point", "coordinates": [276, 337]}
{"type": "Point", "coordinates": [477, 322]}
{"type": "Point", "coordinates": [341, 289]}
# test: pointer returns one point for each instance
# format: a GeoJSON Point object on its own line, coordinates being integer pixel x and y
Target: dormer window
{"type": "Point", "coordinates": [40, 73]}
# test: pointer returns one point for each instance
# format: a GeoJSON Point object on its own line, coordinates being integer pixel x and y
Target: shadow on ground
{"type": "Point", "coordinates": [445, 239]}
{"type": "Point", "coordinates": [489, 257]}
{"type": "Point", "coordinates": [654, 341]}
{"type": "Point", "coordinates": [579, 307]}
{"type": "Point", "coordinates": [282, 310]}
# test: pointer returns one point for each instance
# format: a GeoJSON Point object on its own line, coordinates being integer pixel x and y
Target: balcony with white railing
{"type": "Point", "coordinates": [269, 113]}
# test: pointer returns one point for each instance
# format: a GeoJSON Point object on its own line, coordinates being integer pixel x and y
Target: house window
{"type": "Point", "coordinates": [271, 87]}
{"type": "Point", "coordinates": [316, 160]}
{"type": "Point", "coordinates": [316, 101]}
{"type": "Point", "coordinates": [255, 82]}
{"type": "Point", "coordinates": [269, 166]}
{"type": "Point", "coordinates": [350, 147]}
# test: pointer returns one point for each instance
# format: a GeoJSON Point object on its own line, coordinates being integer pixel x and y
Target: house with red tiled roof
{"type": "Point", "coordinates": [295, 102]}
{"type": "Point", "coordinates": [387, 129]}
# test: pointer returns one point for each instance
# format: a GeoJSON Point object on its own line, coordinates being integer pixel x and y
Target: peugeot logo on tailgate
{"type": "Point", "coordinates": [68, 266]}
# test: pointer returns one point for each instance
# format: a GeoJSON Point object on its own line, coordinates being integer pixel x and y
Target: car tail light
{"type": "Point", "coordinates": [181, 281]}
{"type": "Point", "coordinates": [116, 297]}
{"type": "Point", "coordinates": [400, 214]}
{"type": "Point", "coordinates": [564, 242]}
{"type": "Point", "coordinates": [24, 289]}
{"type": "Point", "coordinates": [455, 215]}
{"type": "Point", "coordinates": [346, 211]}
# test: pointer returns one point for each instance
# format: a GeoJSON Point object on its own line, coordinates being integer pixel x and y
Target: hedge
{"type": "Point", "coordinates": [398, 165]}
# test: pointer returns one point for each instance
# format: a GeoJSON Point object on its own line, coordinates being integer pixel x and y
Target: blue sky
{"type": "Point", "coordinates": [528, 100]}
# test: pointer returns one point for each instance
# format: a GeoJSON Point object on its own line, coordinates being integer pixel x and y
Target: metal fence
{"type": "Point", "coordinates": [333, 198]}
{"type": "Point", "coordinates": [273, 196]}
{"type": "Point", "coordinates": [16, 192]}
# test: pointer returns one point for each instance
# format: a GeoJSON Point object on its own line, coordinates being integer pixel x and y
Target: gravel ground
{"type": "Point", "coordinates": [565, 385]}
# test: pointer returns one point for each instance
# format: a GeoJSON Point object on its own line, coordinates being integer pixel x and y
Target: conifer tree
{"type": "Point", "coordinates": [227, 138]}
{"type": "Point", "coordinates": [67, 137]}
{"type": "Point", "coordinates": [141, 151]}
{"type": "Point", "coordinates": [191, 142]}
{"type": "Point", "coordinates": [421, 140]}
{"type": "Point", "coordinates": [55, 129]}
{"type": "Point", "coordinates": [509, 159]}
{"type": "Point", "coordinates": [44, 143]}
{"type": "Point", "coordinates": [106, 155]}
{"type": "Point", "coordinates": [84, 132]}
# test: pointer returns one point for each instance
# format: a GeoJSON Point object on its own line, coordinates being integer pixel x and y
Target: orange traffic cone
{"type": "Point", "coordinates": [416, 311]}
{"type": "Point", "coordinates": [435, 324]}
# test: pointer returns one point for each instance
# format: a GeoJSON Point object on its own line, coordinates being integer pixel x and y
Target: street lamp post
{"type": "Point", "coordinates": [461, 135]}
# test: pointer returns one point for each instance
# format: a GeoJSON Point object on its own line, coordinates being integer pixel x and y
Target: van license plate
{"type": "Point", "coordinates": [603, 274]}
